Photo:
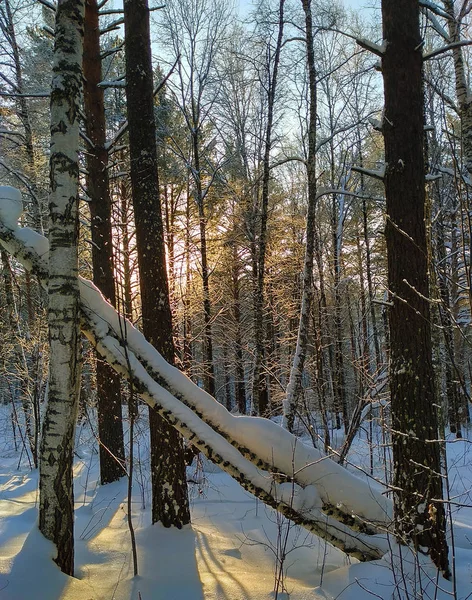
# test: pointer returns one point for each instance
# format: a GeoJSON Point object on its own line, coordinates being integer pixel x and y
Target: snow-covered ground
{"type": "Point", "coordinates": [230, 553]}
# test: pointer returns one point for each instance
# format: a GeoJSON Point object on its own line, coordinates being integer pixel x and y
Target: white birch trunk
{"type": "Point", "coordinates": [462, 88]}
{"type": "Point", "coordinates": [56, 510]}
{"type": "Point", "coordinates": [294, 386]}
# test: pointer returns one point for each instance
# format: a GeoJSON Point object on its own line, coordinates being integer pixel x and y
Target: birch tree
{"type": "Point", "coordinates": [56, 500]}
{"type": "Point", "coordinates": [295, 381]}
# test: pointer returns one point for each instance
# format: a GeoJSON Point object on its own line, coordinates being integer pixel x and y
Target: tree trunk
{"type": "Point", "coordinates": [295, 382]}
{"type": "Point", "coordinates": [239, 385]}
{"type": "Point", "coordinates": [260, 393]}
{"type": "Point", "coordinates": [419, 511]}
{"type": "Point", "coordinates": [56, 499]}
{"type": "Point", "coordinates": [169, 484]}
{"type": "Point", "coordinates": [110, 427]}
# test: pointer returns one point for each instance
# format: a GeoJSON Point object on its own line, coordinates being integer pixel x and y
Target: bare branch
{"type": "Point", "coordinates": [446, 48]}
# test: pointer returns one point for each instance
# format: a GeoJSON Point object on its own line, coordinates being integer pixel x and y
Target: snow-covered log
{"type": "Point", "coordinates": [324, 497]}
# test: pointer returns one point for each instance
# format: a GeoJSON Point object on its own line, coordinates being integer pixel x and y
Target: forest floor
{"type": "Point", "coordinates": [231, 552]}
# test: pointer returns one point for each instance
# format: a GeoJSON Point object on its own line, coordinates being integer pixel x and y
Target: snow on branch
{"type": "Point", "coordinates": [51, 5]}
{"type": "Point", "coordinates": [437, 10]}
{"type": "Point", "coordinates": [112, 51]}
{"type": "Point", "coordinates": [113, 83]}
{"type": "Point", "coordinates": [30, 95]}
{"type": "Point", "coordinates": [114, 25]}
{"type": "Point", "coordinates": [436, 25]}
{"type": "Point", "coordinates": [322, 191]}
{"type": "Point", "coordinates": [378, 49]}
{"type": "Point", "coordinates": [375, 173]}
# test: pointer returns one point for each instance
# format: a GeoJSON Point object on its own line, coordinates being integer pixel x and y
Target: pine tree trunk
{"type": "Point", "coordinates": [56, 500]}
{"type": "Point", "coordinates": [110, 427]}
{"type": "Point", "coordinates": [169, 484]}
{"type": "Point", "coordinates": [419, 511]}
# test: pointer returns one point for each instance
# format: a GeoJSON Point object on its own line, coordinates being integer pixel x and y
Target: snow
{"type": "Point", "coordinates": [11, 206]}
{"type": "Point", "coordinates": [233, 534]}
{"type": "Point", "coordinates": [198, 414]}
{"type": "Point", "coordinates": [378, 49]}
{"type": "Point", "coordinates": [228, 553]}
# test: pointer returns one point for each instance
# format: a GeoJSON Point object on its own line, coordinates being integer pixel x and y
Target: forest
{"type": "Point", "coordinates": [235, 300]}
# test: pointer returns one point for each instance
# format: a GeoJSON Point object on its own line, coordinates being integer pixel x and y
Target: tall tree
{"type": "Point", "coordinates": [169, 484]}
{"type": "Point", "coordinates": [419, 510]}
{"type": "Point", "coordinates": [56, 500]}
{"type": "Point", "coordinates": [110, 428]}
{"type": "Point", "coordinates": [260, 390]}
{"type": "Point", "coordinates": [295, 381]}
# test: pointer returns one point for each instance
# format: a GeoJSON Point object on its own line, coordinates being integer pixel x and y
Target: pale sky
{"type": "Point", "coordinates": [364, 5]}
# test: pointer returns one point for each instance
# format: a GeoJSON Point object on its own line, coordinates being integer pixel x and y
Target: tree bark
{"type": "Point", "coordinates": [169, 484]}
{"type": "Point", "coordinates": [110, 427]}
{"type": "Point", "coordinates": [419, 511]}
{"type": "Point", "coordinates": [260, 391]}
{"type": "Point", "coordinates": [56, 500]}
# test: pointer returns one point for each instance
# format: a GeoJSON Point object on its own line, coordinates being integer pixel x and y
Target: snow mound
{"type": "Point", "coordinates": [11, 206]}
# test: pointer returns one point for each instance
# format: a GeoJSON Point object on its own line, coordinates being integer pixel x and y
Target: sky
{"type": "Point", "coordinates": [364, 5]}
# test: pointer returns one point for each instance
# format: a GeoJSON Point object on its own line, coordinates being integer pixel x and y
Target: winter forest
{"type": "Point", "coordinates": [235, 300]}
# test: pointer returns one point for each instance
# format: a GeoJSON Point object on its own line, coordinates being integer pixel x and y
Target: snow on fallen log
{"type": "Point", "coordinates": [301, 505]}
{"type": "Point", "coordinates": [253, 440]}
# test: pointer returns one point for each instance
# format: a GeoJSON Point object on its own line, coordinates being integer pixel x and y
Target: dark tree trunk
{"type": "Point", "coordinates": [209, 372]}
{"type": "Point", "coordinates": [419, 512]}
{"type": "Point", "coordinates": [169, 485]}
{"type": "Point", "coordinates": [110, 427]}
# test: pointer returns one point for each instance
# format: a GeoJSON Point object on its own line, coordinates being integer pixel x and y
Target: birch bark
{"type": "Point", "coordinates": [295, 382]}
{"type": "Point", "coordinates": [56, 510]}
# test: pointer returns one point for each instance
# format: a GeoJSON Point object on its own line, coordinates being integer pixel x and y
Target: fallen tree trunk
{"type": "Point", "coordinates": [315, 492]}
